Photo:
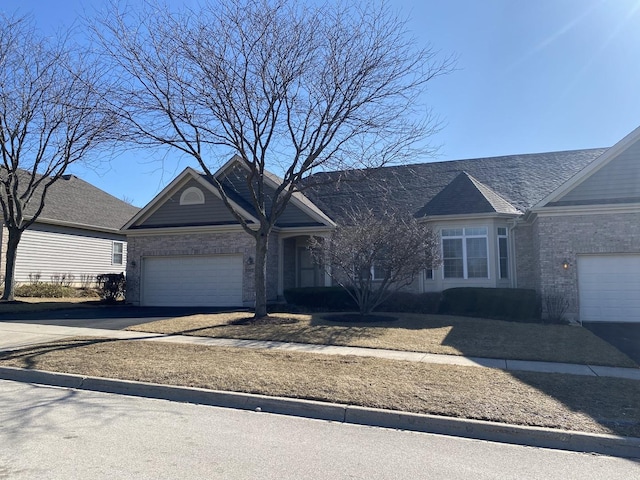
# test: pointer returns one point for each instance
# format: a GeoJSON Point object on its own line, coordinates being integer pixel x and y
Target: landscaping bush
{"type": "Point", "coordinates": [406, 302]}
{"type": "Point", "coordinates": [515, 304]}
{"type": "Point", "coordinates": [64, 279]}
{"type": "Point", "coordinates": [556, 306]}
{"type": "Point", "coordinates": [320, 298]}
{"type": "Point", "coordinates": [111, 286]}
{"type": "Point", "coordinates": [45, 290]}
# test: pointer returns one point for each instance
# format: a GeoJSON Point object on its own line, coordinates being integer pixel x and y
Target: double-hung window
{"type": "Point", "coordinates": [117, 253]}
{"type": "Point", "coordinates": [464, 252]}
{"type": "Point", "coordinates": [503, 252]}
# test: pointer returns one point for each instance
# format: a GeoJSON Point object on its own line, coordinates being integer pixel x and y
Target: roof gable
{"type": "Point", "coordinates": [466, 195]}
{"type": "Point", "coordinates": [164, 211]}
{"type": "Point", "coordinates": [613, 179]}
{"type": "Point", "coordinates": [159, 212]}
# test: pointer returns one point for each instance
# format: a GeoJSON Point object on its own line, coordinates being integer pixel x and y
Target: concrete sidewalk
{"type": "Point", "coordinates": [19, 335]}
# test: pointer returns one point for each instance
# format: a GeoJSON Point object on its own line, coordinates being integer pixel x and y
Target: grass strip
{"type": "Point", "coordinates": [440, 334]}
{"type": "Point", "coordinates": [589, 404]}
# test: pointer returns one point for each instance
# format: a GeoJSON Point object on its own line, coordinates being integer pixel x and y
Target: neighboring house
{"type": "Point", "coordinates": [562, 223]}
{"type": "Point", "coordinates": [77, 233]}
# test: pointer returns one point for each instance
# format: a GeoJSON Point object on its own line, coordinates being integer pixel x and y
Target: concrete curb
{"type": "Point", "coordinates": [626, 447]}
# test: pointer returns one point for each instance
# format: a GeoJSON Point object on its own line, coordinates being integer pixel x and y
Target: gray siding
{"type": "Point", "coordinates": [292, 215]}
{"type": "Point", "coordinates": [171, 213]}
{"type": "Point", "coordinates": [616, 182]}
{"type": "Point", "coordinates": [51, 250]}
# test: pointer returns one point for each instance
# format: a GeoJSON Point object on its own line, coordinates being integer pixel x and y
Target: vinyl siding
{"type": "Point", "coordinates": [51, 250]}
{"type": "Point", "coordinates": [618, 181]}
{"type": "Point", "coordinates": [171, 213]}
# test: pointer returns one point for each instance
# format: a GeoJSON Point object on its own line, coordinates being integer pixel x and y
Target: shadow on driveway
{"type": "Point", "coordinates": [624, 336]}
{"type": "Point", "coordinates": [115, 317]}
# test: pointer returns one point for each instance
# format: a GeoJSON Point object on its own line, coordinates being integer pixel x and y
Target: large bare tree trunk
{"type": "Point", "coordinates": [9, 276]}
{"type": "Point", "coordinates": [262, 240]}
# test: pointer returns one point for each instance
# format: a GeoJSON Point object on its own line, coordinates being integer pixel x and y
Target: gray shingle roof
{"type": "Point", "coordinates": [72, 200]}
{"type": "Point", "coordinates": [519, 180]}
{"type": "Point", "coordinates": [465, 195]}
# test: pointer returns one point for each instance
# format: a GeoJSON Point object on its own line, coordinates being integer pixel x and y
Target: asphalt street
{"type": "Point", "coordinates": [61, 433]}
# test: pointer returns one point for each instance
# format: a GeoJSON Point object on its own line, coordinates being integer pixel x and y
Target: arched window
{"type": "Point", "coordinates": [192, 196]}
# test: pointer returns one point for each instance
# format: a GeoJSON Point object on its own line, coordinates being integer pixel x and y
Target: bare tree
{"type": "Point", "coordinates": [287, 87]}
{"type": "Point", "coordinates": [50, 117]}
{"type": "Point", "coordinates": [372, 256]}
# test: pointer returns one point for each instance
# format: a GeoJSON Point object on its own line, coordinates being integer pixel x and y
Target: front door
{"type": "Point", "coordinates": [309, 272]}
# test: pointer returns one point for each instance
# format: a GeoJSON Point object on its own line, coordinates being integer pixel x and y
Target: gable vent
{"type": "Point", "coordinates": [192, 196]}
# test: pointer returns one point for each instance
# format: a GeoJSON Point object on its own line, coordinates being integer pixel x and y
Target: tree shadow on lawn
{"type": "Point", "coordinates": [29, 355]}
{"type": "Point", "coordinates": [611, 402]}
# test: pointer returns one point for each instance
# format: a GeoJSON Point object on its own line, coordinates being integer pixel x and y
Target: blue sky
{"type": "Point", "coordinates": [532, 76]}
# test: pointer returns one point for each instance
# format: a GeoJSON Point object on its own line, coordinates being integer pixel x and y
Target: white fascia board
{"type": "Point", "coordinates": [80, 226]}
{"type": "Point", "coordinates": [475, 216]}
{"type": "Point", "coordinates": [587, 209]}
{"type": "Point", "coordinates": [155, 203]}
{"type": "Point", "coordinates": [298, 231]}
{"type": "Point", "coordinates": [590, 169]}
{"type": "Point", "coordinates": [186, 230]}
{"type": "Point", "coordinates": [187, 174]}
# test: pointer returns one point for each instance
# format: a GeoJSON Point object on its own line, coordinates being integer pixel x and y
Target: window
{"type": "Point", "coordinates": [379, 270]}
{"type": "Point", "coordinates": [117, 253]}
{"type": "Point", "coordinates": [428, 273]}
{"type": "Point", "coordinates": [192, 196]}
{"type": "Point", "coordinates": [464, 252]}
{"type": "Point", "coordinates": [503, 253]}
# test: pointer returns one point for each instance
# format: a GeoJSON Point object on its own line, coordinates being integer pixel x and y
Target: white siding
{"type": "Point", "coordinates": [50, 250]}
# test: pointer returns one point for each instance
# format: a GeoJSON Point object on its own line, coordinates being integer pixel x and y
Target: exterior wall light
{"type": "Point", "coordinates": [566, 264]}
{"type": "Point", "coordinates": [250, 261]}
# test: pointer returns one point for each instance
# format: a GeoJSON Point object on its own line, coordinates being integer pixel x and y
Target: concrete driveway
{"type": "Point", "coordinates": [107, 317]}
{"type": "Point", "coordinates": [624, 336]}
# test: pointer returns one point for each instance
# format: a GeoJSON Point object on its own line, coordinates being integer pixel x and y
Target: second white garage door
{"type": "Point", "coordinates": [192, 281]}
{"type": "Point", "coordinates": [609, 288]}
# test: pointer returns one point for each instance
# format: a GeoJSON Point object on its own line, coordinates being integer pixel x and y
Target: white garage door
{"type": "Point", "coordinates": [192, 281]}
{"type": "Point", "coordinates": [609, 288]}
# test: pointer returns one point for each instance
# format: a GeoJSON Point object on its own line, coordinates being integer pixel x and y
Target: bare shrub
{"type": "Point", "coordinates": [556, 306]}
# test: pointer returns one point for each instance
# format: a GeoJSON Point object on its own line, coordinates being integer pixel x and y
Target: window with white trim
{"type": "Point", "coordinates": [379, 270]}
{"type": "Point", "coordinates": [192, 196]}
{"type": "Point", "coordinates": [464, 252]}
{"type": "Point", "coordinates": [503, 253]}
{"type": "Point", "coordinates": [117, 253]}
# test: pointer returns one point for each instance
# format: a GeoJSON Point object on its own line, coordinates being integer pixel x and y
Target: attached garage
{"type": "Point", "coordinates": [192, 280]}
{"type": "Point", "coordinates": [609, 288]}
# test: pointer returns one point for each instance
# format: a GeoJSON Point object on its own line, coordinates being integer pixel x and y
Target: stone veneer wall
{"type": "Point", "coordinates": [567, 237]}
{"type": "Point", "coordinates": [201, 244]}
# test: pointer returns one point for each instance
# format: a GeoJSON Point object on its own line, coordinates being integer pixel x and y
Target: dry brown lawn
{"type": "Point", "coordinates": [412, 332]}
{"type": "Point", "coordinates": [590, 404]}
